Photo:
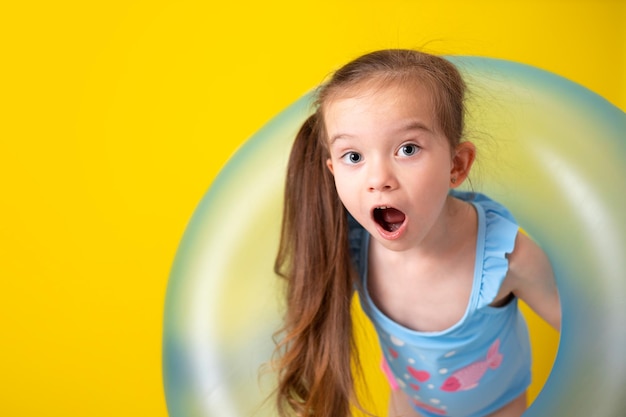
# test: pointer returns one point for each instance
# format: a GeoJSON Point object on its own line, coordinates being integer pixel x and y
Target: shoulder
{"type": "Point", "coordinates": [495, 237]}
{"type": "Point", "coordinates": [497, 228]}
{"type": "Point", "coordinates": [527, 272]}
{"type": "Point", "coordinates": [489, 205]}
{"type": "Point", "coordinates": [528, 259]}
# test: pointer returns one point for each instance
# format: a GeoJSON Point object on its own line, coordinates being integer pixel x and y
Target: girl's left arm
{"type": "Point", "coordinates": [532, 279]}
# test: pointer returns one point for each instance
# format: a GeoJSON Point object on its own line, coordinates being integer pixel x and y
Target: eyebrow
{"type": "Point", "coordinates": [411, 125]}
{"type": "Point", "coordinates": [338, 136]}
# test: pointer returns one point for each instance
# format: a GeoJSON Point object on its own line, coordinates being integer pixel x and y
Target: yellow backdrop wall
{"type": "Point", "coordinates": [115, 117]}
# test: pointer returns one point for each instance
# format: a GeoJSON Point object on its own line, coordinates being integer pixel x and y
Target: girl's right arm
{"type": "Point", "coordinates": [531, 278]}
{"type": "Point", "coordinates": [400, 405]}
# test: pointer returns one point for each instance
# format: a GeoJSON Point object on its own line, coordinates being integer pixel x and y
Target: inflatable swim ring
{"type": "Point", "coordinates": [555, 154]}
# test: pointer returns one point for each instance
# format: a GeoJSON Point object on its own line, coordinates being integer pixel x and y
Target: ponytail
{"type": "Point", "coordinates": [316, 342]}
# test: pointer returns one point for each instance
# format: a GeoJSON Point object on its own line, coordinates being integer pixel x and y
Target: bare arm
{"type": "Point", "coordinates": [531, 278]}
{"type": "Point", "coordinates": [400, 405]}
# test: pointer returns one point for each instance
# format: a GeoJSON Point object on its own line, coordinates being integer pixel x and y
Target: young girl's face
{"type": "Point", "coordinates": [391, 163]}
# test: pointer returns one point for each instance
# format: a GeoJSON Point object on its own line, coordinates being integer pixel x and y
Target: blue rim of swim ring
{"type": "Point", "coordinates": [552, 151]}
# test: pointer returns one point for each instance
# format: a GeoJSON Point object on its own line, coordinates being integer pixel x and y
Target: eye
{"type": "Point", "coordinates": [408, 150]}
{"type": "Point", "coordinates": [352, 157]}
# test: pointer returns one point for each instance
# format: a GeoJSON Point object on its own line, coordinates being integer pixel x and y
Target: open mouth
{"type": "Point", "coordinates": [389, 218]}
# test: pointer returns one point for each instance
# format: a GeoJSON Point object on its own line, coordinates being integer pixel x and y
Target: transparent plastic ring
{"type": "Point", "coordinates": [552, 151]}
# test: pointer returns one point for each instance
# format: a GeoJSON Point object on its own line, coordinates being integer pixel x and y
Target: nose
{"type": "Point", "coordinates": [381, 177]}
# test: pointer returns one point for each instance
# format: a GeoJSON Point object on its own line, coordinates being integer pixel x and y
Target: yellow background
{"type": "Point", "coordinates": [115, 116]}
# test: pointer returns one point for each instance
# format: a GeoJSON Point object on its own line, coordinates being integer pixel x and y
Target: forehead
{"type": "Point", "coordinates": [382, 101]}
{"type": "Point", "coordinates": [409, 85]}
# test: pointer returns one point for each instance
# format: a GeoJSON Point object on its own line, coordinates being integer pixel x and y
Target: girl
{"type": "Point", "coordinates": [371, 204]}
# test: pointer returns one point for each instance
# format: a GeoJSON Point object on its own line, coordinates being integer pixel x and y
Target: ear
{"type": "Point", "coordinates": [329, 164]}
{"type": "Point", "coordinates": [462, 161]}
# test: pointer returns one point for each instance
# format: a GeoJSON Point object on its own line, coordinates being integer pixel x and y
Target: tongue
{"type": "Point", "coordinates": [392, 215]}
{"type": "Point", "coordinates": [390, 219]}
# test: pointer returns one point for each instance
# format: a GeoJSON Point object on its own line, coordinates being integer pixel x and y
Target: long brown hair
{"type": "Point", "coordinates": [316, 347]}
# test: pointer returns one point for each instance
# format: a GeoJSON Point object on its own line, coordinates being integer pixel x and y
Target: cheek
{"type": "Point", "coordinates": [346, 189]}
{"type": "Point", "coordinates": [342, 188]}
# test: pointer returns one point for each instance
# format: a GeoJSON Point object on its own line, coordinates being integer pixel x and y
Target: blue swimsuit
{"type": "Point", "coordinates": [481, 363]}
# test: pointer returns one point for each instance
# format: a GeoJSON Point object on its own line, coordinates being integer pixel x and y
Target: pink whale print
{"type": "Point", "coordinates": [469, 377]}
